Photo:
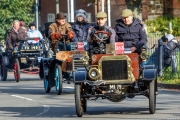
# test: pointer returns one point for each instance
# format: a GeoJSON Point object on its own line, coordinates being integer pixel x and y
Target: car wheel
{"type": "Point", "coordinates": [58, 79]}
{"type": "Point", "coordinates": [78, 101]}
{"type": "Point", "coordinates": [46, 85]}
{"type": "Point", "coordinates": [152, 97]}
{"type": "Point", "coordinates": [84, 105]}
{"type": "Point", "coordinates": [3, 70]}
{"type": "Point", "coordinates": [16, 70]}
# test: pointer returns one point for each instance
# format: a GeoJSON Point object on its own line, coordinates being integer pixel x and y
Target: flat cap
{"type": "Point", "coordinates": [126, 13]}
{"type": "Point", "coordinates": [101, 15]}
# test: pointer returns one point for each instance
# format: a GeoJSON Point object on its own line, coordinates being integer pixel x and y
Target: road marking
{"type": "Point", "coordinates": [69, 87]}
{"type": "Point", "coordinates": [46, 109]}
{"type": "Point", "coordinates": [23, 97]}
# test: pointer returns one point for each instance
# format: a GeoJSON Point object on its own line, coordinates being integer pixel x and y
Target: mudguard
{"type": "Point", "coordinates": [43, 67]}
{"type": "Point", "coordinates": [52, 71]}
{"type": "Point", "coordinates": [149, 74]}
{"type": "Point", "coordinates": [79, 76]}
{"type": "Point", "coordinates": [149, 67]}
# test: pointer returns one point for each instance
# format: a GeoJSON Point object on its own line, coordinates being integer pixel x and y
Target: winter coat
{"type": "Point", "coordinates": [80, 32]}
{"type": "Point", "coordinates": [62, 29]}
{"type": "Point", "coordinates": [132, 36]}
{"type": "Point", "coordinates": [33, 34]}
{"type": "Point", "coordinates": [100, 47]}
{"type": "Point", "coordinates": [13, 37]}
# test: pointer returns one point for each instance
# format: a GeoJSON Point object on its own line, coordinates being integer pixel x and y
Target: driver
{"type": "Point", "coordinates": [100, 31]}
{"type": "Point", "coordinates": [56, 30]}
{"type": "Point", "coordinates": [14, 34]}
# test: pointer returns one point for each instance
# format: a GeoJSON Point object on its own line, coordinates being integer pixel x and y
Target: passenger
{"type": "Point", "coordinates": [80, 27]}
{"type": "Point", "coordinates": [94, 46]}
{"type": "Point", "coordinates": [14, 35]}
{"type": "Point", "coordinates": [58, 28]}
{"type": "Point", "coordinates": [22, 24]}
{"type": "Point", "coordinates": [130, 31]}
{"type": "Point", "coordinates": [34, 33]}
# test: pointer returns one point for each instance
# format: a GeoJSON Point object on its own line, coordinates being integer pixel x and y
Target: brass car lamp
{"type": "Point", "coordinates": [85, 59]}
{"type": "Point", "coordinates": [94, 73]}
{"type": "Point", "coordinates": [143, 54]}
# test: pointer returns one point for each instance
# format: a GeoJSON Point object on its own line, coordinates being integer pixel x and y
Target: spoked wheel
{"type": "Point", "coordinates": [80, 104]}
{"type": "Point", "coordinates": [152, 97]}
{"type": "Point", "coordinates": [16, 70]}
{"type": "Point", "coordinates": [58, 79]}
{"type": "Point", "coordinates": [3, 70]}
{"type": "Point", "coordinates": [46, 85]}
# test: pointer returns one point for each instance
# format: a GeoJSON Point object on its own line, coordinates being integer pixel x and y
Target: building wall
{"type": "Point", "coordinates": [49, 6]}
{"type": "Point", "coordinates": [171, 7]}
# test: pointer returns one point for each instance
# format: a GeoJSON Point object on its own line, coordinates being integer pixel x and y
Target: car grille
{"type": "Point", "coordinates": [77, 64]}
{"type": "Point", "coordinates": [114, 70]}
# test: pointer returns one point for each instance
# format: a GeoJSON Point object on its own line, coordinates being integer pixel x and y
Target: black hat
{"type": "Point", "coordinates": [32, 24]}
{"type": "Point", "coordinates": [60, 16]}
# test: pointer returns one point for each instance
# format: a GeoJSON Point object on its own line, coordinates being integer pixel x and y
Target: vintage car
{"type": "Point", "coordinates": [57, 67]}
{"type": "Point", "coordinates": [115, 75]}
{"type": "Point", "coordinates": [23, 56]}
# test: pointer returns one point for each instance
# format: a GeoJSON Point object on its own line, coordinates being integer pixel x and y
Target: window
{"type": "Point", "coordinates": [50, 17]}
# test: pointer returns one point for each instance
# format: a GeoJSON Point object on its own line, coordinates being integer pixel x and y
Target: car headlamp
{"type": "Point", "coordinates": [93, 73]}
{"type": "Point", "coordinates": [143, 55]}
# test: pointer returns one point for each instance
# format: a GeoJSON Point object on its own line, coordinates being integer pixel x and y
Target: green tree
{"type": "Point", "coordinates": [11, 10]}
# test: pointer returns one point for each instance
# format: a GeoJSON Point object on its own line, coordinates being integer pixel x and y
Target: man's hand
{"type": "Point", "coordinates": [71, 34]}
{"type": "Point", "coordinates": [133, 49]}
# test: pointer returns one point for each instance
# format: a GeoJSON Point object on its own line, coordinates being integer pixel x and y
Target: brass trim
{"type": "Point", "coordinates": [131, 77]}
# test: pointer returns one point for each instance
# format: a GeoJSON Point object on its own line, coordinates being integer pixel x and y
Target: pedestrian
{"type": "Point", "coordinates": [100, 31]}
{"type": "Point", "coordinates": [130, 31]}
{"type": "Point", "coordinates": [56, 29]}
{"type": "Point", "coordinates": [23, 25]}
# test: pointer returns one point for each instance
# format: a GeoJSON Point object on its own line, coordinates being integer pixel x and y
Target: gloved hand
{"type": "Point", "coordinates": [71, 34]}
{"type": "Point", "coordinates": [11, 47]}
{"type": "Point", "coordinates": [55, 36]}
{"type": "Point", "coordinates": [58, 36]}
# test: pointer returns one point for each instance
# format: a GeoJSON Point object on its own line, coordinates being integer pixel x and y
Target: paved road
{"type": "Point", "coordinates": [27, 100]}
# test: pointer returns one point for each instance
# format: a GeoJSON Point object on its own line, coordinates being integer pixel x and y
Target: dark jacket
{"type": "Point", "coordinates": [133, 35]}
{"type": "Point", "coordinates": [96, 47]}
{"type": "Point", "coordinates": [13, 37]}
{"type": "Point", "coordinates": [81, 31]}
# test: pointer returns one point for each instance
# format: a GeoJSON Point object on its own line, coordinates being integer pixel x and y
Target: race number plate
{"type": "Point", "coordinates": [119, 47]}
{"type": "Point", "coordinates": [77, 46]}
{"type": "Point", "coordinates": [80, 46]}
{"type": "Point", "coordinates": [23, 60]}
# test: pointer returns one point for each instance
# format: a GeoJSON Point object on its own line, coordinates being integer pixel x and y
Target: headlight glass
{"type": "Point", "coordinates": [94, 73]}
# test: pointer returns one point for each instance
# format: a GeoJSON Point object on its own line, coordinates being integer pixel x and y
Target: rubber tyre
{"type": "Point", "coordinates": [16, 70]}
{"type": "Point", "coordinates": [78, 101]}
{"type": "Point", "coordinates": [3, 70]}
{"type": "Point", "coordinates": [46, 85]}
{"type": "Point", "coordinates": [152, 97]}
{"type": "Point", "coordinates": [58, 79]}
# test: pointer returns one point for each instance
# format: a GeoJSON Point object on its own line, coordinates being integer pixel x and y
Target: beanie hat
{"type": "Point", "coordinates": [22, 23]}
{"type": "Point", "coordinates": [32, 24]}
{"type": "Point", "coordinates": [81, 12]}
